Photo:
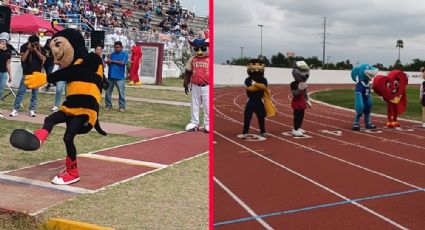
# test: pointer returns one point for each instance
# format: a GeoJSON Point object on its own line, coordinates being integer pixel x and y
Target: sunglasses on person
{"type": "Point", "coordinates": [202, 48]}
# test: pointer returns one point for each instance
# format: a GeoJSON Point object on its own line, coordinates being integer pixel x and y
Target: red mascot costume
{"type": "Point", "coordinates": [136, 56]}
{"type": "Point", "coordinates": [392, 89]}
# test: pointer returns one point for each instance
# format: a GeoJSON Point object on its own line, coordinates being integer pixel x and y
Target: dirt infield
{"type": "Point", "coordinates": [334, 178]}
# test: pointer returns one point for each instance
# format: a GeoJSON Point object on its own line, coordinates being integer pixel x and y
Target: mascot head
{"type": "Point", "coordinates": [364, 73]}
{"type": "Point", "coordinates": [67, 46]}
{"type": "Point", "coordinates": [255, 69]}
{"type": "Point", "coordinates": [392, 87]}
{"type": "Point", "coordinates": [301, 71]}
{"type": "Point", "coordinates": [200, 46]}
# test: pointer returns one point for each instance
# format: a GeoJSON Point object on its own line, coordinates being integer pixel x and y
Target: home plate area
{"type": "Point", "coordinates": [97, 170]}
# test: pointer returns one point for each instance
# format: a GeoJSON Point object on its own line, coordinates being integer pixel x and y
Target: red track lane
{"type": "Point", "coordinates": [271, 187]}
{"type": "Point", "coordinates": [345, 179]}
{"type": "Point", "coordinates": [164, 150]}
{"type": "Point", "coordinates": [367, 157]}
{"type": "Point", "coordinates": [364, 157]}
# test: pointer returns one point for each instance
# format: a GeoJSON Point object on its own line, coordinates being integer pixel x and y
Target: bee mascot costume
{"type": "Point", "coordinates": [84, 78]}
{"type": "Point", "coordinates": [197, 73]}
{"type": "Point", "coordinates": [363, 100]}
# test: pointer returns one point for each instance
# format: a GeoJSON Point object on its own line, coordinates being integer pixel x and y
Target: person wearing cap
{"type": "Point", "coordinates": [32, 58]}
{"type": "Point", "coordinates": [5, 67]}
{"type": "Point", "coordinates": [10, 48]}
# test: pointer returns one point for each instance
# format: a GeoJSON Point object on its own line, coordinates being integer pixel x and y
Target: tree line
{"type": "Point", "coordinates": [280, 60]}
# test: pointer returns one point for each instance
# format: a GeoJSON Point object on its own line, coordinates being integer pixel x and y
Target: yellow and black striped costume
{"type": "Point", "coordinates": [84, 86]}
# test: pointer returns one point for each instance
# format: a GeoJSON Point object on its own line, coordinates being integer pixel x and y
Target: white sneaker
{"type": "Point", "coordinates": [297, 133]}
{"type": "Point", "coordinates": [302, 130]}
{"type": "Point", "coordinates": [55, 108]}
{"type": "Point", "coordinates": [32, 113]}
{"type": "Point", "coordinates": [14, 113]}
{"type": "Point", "coordinates": [1, 115]}
{"type": "Point", "coordinates": [423, 125]}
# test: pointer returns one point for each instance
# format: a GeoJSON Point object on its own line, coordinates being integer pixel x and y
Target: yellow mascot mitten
{"type": "Point", "coordinates": [35, 80]}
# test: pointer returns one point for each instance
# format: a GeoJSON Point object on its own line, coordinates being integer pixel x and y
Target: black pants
{"type": "Point", "coordinates": [257, 107]}
{"type": "Point", "coordinates": [298, 118]}
{"type": "Point", "coordinates": [74, 126]}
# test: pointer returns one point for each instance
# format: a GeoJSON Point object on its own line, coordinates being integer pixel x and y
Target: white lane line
{"type": "Point", "coordinates": [242, 204]}
{"type": "Point", "coordinates": [345, 109]}
{"type": "Point", "coordinates": [335, 158]}
{"type": "Point", "coordinates": [314, 182]}
{"type": "Point", "coordinates": [123, 160]}
{"type": "Point", "coordinates": [64, 188]}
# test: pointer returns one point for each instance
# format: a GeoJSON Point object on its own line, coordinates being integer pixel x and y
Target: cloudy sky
{"type": "Point", "coordinates": [201, 6]}
{"type": "Point", "coordinates": [362, 31]}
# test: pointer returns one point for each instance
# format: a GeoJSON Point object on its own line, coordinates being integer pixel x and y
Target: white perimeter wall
{"type": "Point", "coordinates": [235, 75]}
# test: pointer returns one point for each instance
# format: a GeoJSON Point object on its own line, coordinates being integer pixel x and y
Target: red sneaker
{"type": "Point", "coordinates": [68, 175]}
{"type": "Point", "coordinates": [42, 135]}
{"type": "Point", "coordinates": [390, 124]}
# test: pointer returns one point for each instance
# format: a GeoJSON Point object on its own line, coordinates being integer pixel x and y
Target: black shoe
{"type": "Point", "coordinates": [24, 140]}
{"type": "Point", "coordinates": [356, 127]}
{"type": "Point", "coordinates": [370, 126]}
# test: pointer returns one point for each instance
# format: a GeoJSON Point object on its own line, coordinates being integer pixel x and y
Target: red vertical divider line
{"type": "Point", "coordinates": [211, 111]}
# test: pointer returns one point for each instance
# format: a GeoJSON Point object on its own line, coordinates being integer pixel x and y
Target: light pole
{"type": "Point", "coordinates": [261, 39]}
{"type": "Point", "coordinates": [242, 52]}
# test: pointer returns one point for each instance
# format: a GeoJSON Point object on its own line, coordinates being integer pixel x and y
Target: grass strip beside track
{"type": "Point", "coordinates": [142, 114]}
{"type": "Point", "coordinates": [158, 94]}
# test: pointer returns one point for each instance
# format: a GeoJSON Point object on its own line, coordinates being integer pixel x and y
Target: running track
{"type": "Point", "coordinates": [337, 179]}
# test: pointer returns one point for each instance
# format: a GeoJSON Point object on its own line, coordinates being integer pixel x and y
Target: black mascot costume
{"type": "Point", "coordinates": [84, 78]}
{"type": "Point", "coordinates": [259, 98]}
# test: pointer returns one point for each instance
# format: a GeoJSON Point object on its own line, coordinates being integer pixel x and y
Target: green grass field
{"type": "Point", "coordinates": [166, 95]}
{"type": "Point", "coordinates": [345, 98]}
{"type": "Point", "coordinates": [173, 198]}
{"type": "Point", "coordinates": [174, 82]}
{"type": "Point", "coordinates": [148, 115]}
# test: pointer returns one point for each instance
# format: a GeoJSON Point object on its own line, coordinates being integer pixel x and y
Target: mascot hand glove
{"type": "Point", "coordinates": [186, 90]}
{"type": "Point", "coordinates": [186, 87]}
{"type": "Point", "coordinates": [309, 103]}
{"type": "Point", "coordinates": [302, 86]}
{"type": "Point", "coordinates": [35, 80]}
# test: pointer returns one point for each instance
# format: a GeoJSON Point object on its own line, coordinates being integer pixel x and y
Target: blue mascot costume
{"type": "Point", "coordinates": [362, 74]}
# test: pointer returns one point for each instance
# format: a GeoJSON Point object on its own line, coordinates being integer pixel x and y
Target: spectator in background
{"type": "Point", "coordinates": [60, 88]}
{"type": "Point", "coordinates": [32, 59]}
{"type": "Point", "coordinates": [117, 62]}
{"type": "Point", "coordinates": [5, 67]}
{"type": "Point", "coordinates": [48, 64]}
{"type": "Point", "coordinates": [98, 50]}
